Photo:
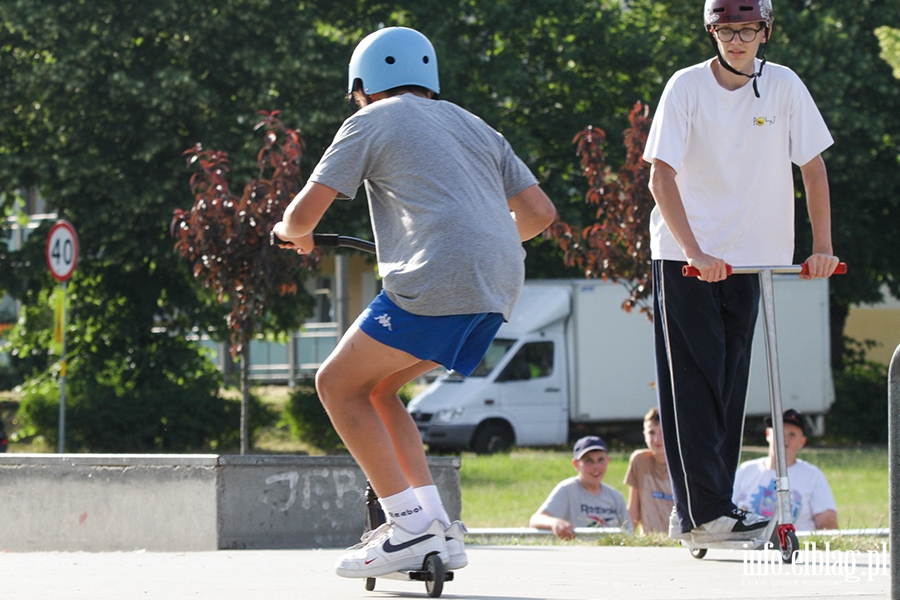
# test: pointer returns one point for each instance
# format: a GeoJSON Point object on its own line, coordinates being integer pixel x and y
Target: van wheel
{"type": "Point", "coordinates": [491, 438]}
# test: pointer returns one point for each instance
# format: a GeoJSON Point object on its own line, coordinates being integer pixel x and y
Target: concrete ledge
{"type": "Point", "coordinates": [180, 503]}
{"type": "Point", "coordinates": [487, 535]}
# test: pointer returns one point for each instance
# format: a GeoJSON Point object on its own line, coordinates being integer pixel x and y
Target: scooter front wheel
{"type": "Point", "coordinates": [791, 544]}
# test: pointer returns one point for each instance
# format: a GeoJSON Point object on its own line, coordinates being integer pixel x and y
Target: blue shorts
{"type": "Point", "coordinates": [458, 342]}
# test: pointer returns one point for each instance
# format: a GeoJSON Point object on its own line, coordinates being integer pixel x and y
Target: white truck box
{"type": "Point", "coordinates": [571, 359]}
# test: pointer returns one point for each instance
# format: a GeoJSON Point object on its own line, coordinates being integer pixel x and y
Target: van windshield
{"type": "Point", "coordinates": [497, 350]}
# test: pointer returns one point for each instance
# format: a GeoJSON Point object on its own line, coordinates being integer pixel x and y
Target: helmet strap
{"type": "Point", "coordinates": [761, 55]}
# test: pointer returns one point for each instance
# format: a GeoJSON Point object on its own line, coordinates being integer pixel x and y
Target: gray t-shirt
{"type": "Point", "coordinates": [438, 179]}
{"type": "Point", "coordinates": [569, 500]}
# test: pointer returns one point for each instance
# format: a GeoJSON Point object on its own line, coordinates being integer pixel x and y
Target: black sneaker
{"type": "Point", "coordinates": [738, 525]}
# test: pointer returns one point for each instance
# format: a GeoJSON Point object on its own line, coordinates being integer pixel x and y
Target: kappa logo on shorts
{"type": "Point", "coordinates": [385, 321]}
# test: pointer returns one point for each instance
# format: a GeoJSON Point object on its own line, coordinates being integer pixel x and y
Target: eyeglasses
{"type": "Point", "coordinates": [747, 34]}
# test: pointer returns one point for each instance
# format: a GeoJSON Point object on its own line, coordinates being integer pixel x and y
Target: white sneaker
{"type": "Point", "coordinates": [675, 532]}
{"type": "Point", "coordinates": [456, 549]}
{"type": "Point", "coordinates": [369, 535]}
{"type": "Point", "coordinates": [738, 525]}
{"type": "Point", "coordinates": [393, 549]}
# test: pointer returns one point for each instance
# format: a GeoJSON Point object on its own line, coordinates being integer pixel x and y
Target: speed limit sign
{"type": "Point", "coordinates": [62, 250]}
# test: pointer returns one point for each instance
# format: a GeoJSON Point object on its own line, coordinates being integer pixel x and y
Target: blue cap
{"type": "Point", "coordinates": [588, 443]}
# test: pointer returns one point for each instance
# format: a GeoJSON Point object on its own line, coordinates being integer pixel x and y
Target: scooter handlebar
{"type": "Point", "coordinates": [689, 271]}
{"type": "Point", "coordinates": [329, 240]}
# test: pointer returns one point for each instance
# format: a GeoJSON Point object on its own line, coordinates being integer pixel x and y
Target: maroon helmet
{"type": "Point", "coordinates": [723, 12]}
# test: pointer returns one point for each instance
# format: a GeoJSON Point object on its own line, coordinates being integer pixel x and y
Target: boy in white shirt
{"type": "Point", "coordinates": [721, 152]}
{"type": "Point", "coordinates": [812, 503]}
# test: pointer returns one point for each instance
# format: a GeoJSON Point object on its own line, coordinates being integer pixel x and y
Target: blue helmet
{"type": "Point", "coordinates": [394, 57]}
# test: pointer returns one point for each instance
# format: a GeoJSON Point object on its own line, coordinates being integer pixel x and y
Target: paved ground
{"type": "Point", "coordinates": [494, 573]}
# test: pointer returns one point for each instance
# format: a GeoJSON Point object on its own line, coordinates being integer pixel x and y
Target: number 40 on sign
{"type": "Point", "coordinates": [62, 250]}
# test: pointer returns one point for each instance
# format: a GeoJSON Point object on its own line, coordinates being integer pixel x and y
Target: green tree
{"type": "Point", "coordinates": [98, 100]}
{"type": "Point", "coordinates": [833, 47]}
{"type": "Point", "coordinates": [889, 40]}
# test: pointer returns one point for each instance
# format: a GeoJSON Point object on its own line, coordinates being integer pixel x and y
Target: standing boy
{"type": "Point", "coordinates": [721, 150]}
{"type": "Point", "coordinates": [450, 204]}
{"type": "Point", "coordinates": [583, 500]}
{"type": "Point", "coordinates": [649, 488]}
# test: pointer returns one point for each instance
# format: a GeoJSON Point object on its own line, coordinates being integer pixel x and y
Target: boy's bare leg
{"type": "Point", "coordinates": [345, 382]}
{"type": "Point", "coordinates": [400, 424]}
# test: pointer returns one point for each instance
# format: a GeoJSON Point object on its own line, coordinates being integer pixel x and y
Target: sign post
{"type": "Point", "coordinates": [62, 256]}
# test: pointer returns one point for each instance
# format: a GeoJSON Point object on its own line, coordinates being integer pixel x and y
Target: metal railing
{"type": "Point", "coordinates": [894, 468]}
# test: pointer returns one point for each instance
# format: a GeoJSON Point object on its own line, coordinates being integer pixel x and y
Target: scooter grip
{"type": "Point", "coordinates": [689, 271]}
{"type": "Point", "coordinates": [274, 240]}
{"type": "Point", "coordinates": [331, 240]}
{"type": "Point", "coordinates": [840, 269]}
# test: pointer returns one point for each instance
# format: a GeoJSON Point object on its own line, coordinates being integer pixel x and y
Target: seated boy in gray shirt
{"type": "Point", "coordinates": [583, 500]}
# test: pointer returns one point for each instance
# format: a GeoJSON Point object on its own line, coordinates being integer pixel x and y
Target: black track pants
{"type": "Point", "coordinates": [703, 334]}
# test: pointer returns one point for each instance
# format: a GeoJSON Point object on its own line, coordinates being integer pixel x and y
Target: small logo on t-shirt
{"type": "Point", "coordinates": [600, 516]}
{"type": "Point", "coordinates": [760, 121]}
{"type": "Point", "coordinates": [385, 321]}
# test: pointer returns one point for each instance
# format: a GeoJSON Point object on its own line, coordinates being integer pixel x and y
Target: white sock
{"type": "Point", "coordinates": [430, 500]}
{"type": "Point", "coordinates": [405, 510]}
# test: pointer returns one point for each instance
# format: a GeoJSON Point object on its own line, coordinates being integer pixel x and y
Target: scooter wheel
{"type": "Point", "coordinates": [698, 553]}
{"type": "Point", "coordinates": [370, 584]}
{"type": "Point", "coordinates": [435, 572]}
{"type": "Point", "coordinates": [790, 545]}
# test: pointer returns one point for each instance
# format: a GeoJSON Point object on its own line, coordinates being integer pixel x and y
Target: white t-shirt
{"type": "Point", "coordinates": [732, 153]}
{"type": "Point", "coordinates": [754, 490]}
{"type": "Point", "coordinates": [569, 500]}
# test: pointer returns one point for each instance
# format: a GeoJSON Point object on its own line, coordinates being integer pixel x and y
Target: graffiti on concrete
{"type": "Point", "coordinates": [319, 487]}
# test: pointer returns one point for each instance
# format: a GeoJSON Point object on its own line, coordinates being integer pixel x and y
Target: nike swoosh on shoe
{"type": "Point", "coordinates": [389, 547]}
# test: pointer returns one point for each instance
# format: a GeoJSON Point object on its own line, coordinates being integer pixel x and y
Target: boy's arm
{"type": "Point", "coordinates": [634, 505]}
{"type": "Point", "coordinates": [532, 211]}
{"type": "Point", "coordinates": [624, 515]}
{"type": "Point", "coordinates": [822, 262]}
{"type": "Point", "coordinates": [668, 199]}
{"type": "Point", "coordinates": [826, 520]}
{"type": "Point", "coordinates": [560, 527]}
{"type": "Point", "coordinates": [303, 214]}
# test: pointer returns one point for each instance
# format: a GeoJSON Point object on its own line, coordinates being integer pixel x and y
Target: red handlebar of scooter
{"type": "Point", "coordinates": [689, 271]}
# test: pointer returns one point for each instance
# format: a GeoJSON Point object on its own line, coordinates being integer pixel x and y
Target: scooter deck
{"type": "Point", "coordinates": [417, 575]}
{"type": "Point", "coordinates": [759, 543]}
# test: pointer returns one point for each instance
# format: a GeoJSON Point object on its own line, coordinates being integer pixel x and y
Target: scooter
{"type": "Point", "coordinates": [780, 529]}
{"type": "Point", "coordinates": [433, 571]}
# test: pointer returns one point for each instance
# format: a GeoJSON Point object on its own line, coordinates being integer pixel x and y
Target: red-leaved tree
{"type": "Point", "coordinates": [226, 238]}
{"type": "Point", "coordinates": [617, 245]}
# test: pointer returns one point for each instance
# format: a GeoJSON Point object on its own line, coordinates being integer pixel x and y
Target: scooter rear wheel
{"type": "Point", "coordinates": [434, 582]}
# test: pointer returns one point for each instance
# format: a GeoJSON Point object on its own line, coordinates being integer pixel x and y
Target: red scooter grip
{"type": "Point", "coordinates": [840, 269]}
{"type": "Point", "coordinates": [689, 271]}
